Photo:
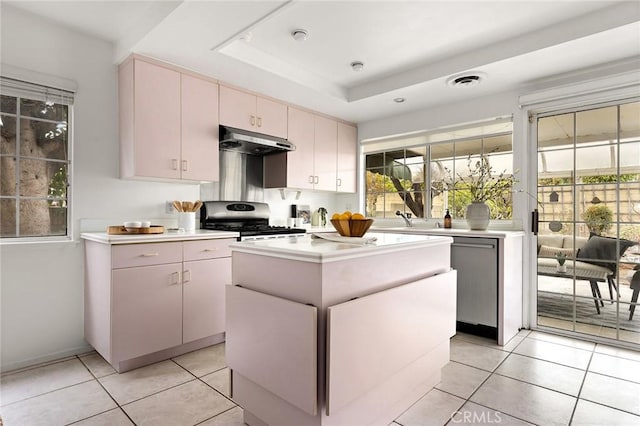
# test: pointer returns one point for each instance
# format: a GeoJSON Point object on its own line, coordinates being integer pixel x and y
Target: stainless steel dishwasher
{"type": "Point", "coordinates": [476, 260]}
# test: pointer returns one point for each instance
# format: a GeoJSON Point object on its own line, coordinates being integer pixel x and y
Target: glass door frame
{"type": "Point", "coordinates": [531, 305]}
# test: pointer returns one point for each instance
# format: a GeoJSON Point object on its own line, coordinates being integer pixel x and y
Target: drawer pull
{"type": "Point", "coordinates": [150, 254]}
{"type": "Point", "coordinates": [483, 246]}
{"type": "Point", "coordinates": [211, 249]}
{"type": "Point", "coordinates": [184, 276]}
{"type": "Point", "coordinates": [176, 277]}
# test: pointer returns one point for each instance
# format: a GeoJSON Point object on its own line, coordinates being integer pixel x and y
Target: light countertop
{"type": "Point", "coordinates": [198, 234]}
{"type": "Point", "coordinates": [318, 250]}
{"type": "Point", "coordinates": [453, 232]}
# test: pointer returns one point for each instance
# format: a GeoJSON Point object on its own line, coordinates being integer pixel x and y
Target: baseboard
{"type": "Point", "coordinates": [37, 361]}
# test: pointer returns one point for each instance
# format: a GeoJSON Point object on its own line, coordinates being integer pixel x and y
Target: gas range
{"type": "Point", "coordinates": [250, 219]}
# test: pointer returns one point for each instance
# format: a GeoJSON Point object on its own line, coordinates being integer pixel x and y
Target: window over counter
{"type": "Point", "coordinates": [427, 174]}
{"type": "Point", "coordinates": [35, 159]}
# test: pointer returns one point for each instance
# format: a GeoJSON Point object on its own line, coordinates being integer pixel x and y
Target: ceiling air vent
{"type": "Point", "coordinates": [466, 80]}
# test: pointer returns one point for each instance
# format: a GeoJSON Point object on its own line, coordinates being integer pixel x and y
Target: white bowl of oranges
{"type": "Point", "coordinates": [351, 224]}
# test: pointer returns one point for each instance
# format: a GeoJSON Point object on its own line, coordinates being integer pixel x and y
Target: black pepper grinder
{"type": "Point", "coordinates": [447, 220]}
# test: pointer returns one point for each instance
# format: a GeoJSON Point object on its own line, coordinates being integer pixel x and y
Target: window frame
{"type": "Point", "coordinates": [20, 89]}
{"type": "Point", "coordinates": [388, 146]}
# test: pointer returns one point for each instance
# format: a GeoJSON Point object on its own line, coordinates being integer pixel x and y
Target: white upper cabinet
{"type": "Point", "coordinates": [325, 157]}
{"type": "Point", "coordinates": [313, 164]}
{"type": "Point", "coordinates": [246, 111]}
{"type": "Point", "coordinates": [169, 129]}
{"type": "Point", "coordinates": [168, 123]}
{"type": "Point", "coordinates": [325, 149]}
{"type": "Point", "coordinates": [347, 158]}
{"type": "Point", "coordinates": [299, 163]}
{"type": "Point", "coordinates": [200, 129]}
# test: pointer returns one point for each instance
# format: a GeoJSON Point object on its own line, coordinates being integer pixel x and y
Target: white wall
{"type": "Point", "coordinates": [42, 283]}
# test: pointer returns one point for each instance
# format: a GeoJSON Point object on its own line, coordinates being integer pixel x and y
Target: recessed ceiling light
{"type": "Point", "coordinates": [466, 80]}
{"type": "Point", "coordinates": [246, 37]}
{"type": "Point", "coordinates": [300, 35]}
{"type": "Point", "coordinates": [399, 100]}
{"type": "Point", "coordinates": [357, 66]}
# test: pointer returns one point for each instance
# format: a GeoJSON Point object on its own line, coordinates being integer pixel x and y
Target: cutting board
{"type": "Point", "coordinates": [121, 230]}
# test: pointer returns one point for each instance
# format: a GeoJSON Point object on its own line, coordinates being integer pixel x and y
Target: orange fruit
{"type": "Point", "coordinates": [357, 216]}
{"type": "Point", "coordinates": [335, 216]}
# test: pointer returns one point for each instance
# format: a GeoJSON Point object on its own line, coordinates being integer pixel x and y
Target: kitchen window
{"type": "Point", "coordinates": [420, 174]}
{"type": "Point", "coordinates": [35, 159]}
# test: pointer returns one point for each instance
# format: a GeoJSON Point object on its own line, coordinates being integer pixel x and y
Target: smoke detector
{"type": "Point", "coordinates": [357, 66]}
{"type": "Point", "coordinates": [300, 35]}
{"type": "Point", "coordinates": [466, 80]}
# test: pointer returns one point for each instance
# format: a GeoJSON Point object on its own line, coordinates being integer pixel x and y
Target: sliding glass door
{"type": "Point", "coordinates": [588, 243]}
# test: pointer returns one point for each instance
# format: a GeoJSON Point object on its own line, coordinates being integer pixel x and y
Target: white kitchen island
{"type": "Point", "coordinates": [331, 333]}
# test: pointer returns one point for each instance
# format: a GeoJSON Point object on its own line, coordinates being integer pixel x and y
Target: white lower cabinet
{"type": "Point", "coordinates": [418, 316]}
{"type": "Point", "coordinates": [341, 362]}
{"type": "Point", "coordinates": [142, 299]}
{"type": "Point", "coordinates": [284, 333]}
{"type": "Point", "coordinates": [204, 281]}
{"type": "Point", "coordinates": [147, 310]}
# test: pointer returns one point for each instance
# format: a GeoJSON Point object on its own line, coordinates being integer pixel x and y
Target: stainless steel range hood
{"type": "Point", "coordinates": [242, 156]}
{"type": "Point", "coordinates": [252, 143]}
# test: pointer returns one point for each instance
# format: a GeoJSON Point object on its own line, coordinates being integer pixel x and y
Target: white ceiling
{"type": "Point", "coordinates": [409, 49]}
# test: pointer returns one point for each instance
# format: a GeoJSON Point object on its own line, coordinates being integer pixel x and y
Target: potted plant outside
{"type": "Point", "coordinates": [599, 218]}
{"type": "Point", "coordinates": [561, 258]}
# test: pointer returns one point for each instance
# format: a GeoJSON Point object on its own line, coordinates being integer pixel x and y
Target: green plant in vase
{"type": "Point", "coordinates": [482, 185]}
{"type": "Point", "coordinates": [561, 258]}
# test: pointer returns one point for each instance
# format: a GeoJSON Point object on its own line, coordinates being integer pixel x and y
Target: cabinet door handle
{"type": "Point", "coordinates": [174, 163]}
{"type": "Point", "coordinates": [184, 276]}
{"type": "Point", "coordinates": [310, 179]}
{"type": "Point", "coordinates": [339, 182]}
{"type": "Point", "coordinates": [185, 165]}
{"type": "Point", "coordinates": [253, 120]}
{"type": "Point", "coordinates": [175, 277]}
{"type": "Point", "coordinates": [316, 179]}
{"type": "Point", "coordinates": [149, 254]}
{"type": "Point", "coordinates": [259, 121]}
{"type": "Point", "coordinates": [482, 246]}
{"type": "Point", "coordinates": [211, 249]}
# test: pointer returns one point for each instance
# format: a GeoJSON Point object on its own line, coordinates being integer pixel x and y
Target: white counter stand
{"type": "Point", "coordinates": [327, 333]}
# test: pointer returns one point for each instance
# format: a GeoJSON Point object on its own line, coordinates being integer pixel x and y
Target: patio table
{"type": "Point", "coordinates": [594, 277]}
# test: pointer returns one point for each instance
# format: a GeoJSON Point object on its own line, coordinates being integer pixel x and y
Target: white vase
{"type": "Point", "coordinates": [561, 268]}
{"type": "Point", "coordinates": [477, 216]}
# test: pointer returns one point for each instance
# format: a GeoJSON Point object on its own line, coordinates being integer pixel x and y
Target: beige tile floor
{"type": "Point", "coordinates": [536, 378]}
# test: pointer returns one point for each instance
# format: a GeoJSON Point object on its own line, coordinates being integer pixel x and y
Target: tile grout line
{"type": "Point", "coordinates": [207, 384]}
{"type": "Point", "coordinates": [586, 371]}
{"type": "Point", "coordinates": [219, 414]}
{"type": "Point", "coordinates": [494, 372]}
{"type": "Point", "coordinates": [491, 373]}
{"type": "Point", "coordinates": [106, 391]}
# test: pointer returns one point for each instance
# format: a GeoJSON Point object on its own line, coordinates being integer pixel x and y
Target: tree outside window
{"type": "Point", "coordinates": [34, 164]}
{"type": "Point", "coordinates": [425, 181]}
